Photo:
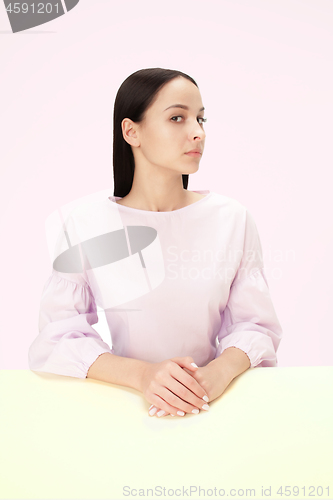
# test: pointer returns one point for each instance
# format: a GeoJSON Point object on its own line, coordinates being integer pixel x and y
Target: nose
{"type": "Point", "coordinates": [198, 132]}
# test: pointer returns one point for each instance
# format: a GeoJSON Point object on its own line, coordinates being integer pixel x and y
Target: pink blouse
{"type": "Point", "coordinates": [189, 282]}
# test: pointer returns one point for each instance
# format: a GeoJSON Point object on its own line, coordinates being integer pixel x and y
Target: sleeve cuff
{"type": "Point", "coordinates": [260, 351]}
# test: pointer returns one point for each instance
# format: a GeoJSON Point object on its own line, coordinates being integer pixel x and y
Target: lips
{"type": "Point", "coordinates": [195, 153]}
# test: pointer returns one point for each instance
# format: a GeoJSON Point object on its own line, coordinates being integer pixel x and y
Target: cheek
{"type": "Point", "coordinates": [155, 145]}
{"type": "Point", "coordinates": [161, 140]}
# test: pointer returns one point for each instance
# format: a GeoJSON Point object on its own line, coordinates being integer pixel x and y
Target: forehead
{"type": "Point", "coordinates": [178, 91]}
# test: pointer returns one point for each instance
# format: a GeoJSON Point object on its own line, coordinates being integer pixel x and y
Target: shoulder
{"type": "Point", "coordinates": [88, 212]}
{"type": "Point", "coordinates": [232, 211]}
{"type": "Point", "coordinates": [227, 203]}
{"type": "Point", "coordinates": [87, 208]}
{"type": "Point", "coordinates": [89, 220]}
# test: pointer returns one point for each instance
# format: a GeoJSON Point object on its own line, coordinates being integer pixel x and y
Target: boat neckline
{"type": "Point", "coordinates": [113, 199]}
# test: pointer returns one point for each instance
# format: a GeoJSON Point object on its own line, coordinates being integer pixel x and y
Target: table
{"type": "Point", "coordinates": [64, 438]}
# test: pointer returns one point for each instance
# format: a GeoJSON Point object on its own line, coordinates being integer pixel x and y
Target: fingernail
{"type": "Point", "coordinates": [153, 411]}
{"type": "Point", "coordinates": [193, 364]}
{"type": "Point", "coordinates": [205, 407]}
{"type": "Point", "coordinates": [181, 413]}
{"type": "Point", "coordinates": [205, 399]}
{"type": "Point", "coordinates": [195, 410]}
{"type": "Point", "coordinates": [150, 407]}
{"type": "Point", "coordinates": [160, 413]}
{"type": "Point", "coordinates": [171, 415]}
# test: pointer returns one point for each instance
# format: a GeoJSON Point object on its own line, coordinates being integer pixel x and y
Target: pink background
{"type": "Point", "coordinates": [264, 70]}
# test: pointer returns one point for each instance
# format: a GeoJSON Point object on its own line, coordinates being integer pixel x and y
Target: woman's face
{"type": "Point", "coordinates": [169, 131]}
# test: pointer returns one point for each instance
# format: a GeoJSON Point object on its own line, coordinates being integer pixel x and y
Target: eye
{"type": "Point", "coordinates": [176, 117]}
{"type": "Point", "coordinates": [203, 120]}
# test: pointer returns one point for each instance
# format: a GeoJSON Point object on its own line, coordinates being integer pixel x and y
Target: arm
{"type": "Point", "coordinates": [250, 331]}
{"type": "Point", "coordinates": [118, 370]}
{"type": "Point", "coordinates": [231, 363]}
{"type": "Point", "coordinates": [153, 379]}
{"type": "Point", "coordinates": [67, 343]}
{"type": "Point", "coordinates": [249, 320]}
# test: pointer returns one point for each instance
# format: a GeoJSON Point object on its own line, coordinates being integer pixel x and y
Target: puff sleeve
{"type": "Point", "coordinates": [67, 344]}
{"type": "Point", "coordinates": [249, 320]}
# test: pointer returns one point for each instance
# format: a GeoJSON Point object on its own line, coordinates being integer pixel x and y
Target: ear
{"type": "Point", "coordinates": [129, 130]}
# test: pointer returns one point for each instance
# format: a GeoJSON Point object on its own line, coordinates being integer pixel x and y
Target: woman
{"type": "Point", "coordinates": [185, 270]}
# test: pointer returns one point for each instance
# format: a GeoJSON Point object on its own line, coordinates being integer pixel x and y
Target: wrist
{"type": "Point", "coordinates": [232, 362]}
{"type": "Point", "coordinates": [141, 374]}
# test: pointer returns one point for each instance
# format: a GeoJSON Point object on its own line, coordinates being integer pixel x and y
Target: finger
{"type": "Point", "coordinates": [163, 405]}
{"type": "Point", "coordinates": [186, 362]}
{"type": "Point", "coordinates": [157, 412]}
{"type": "Point", "coordinates": [176, 395]}
{"type": "Point", "coordinates": [180, 375]}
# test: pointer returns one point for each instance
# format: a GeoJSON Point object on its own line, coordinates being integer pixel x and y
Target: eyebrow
{"type": "Point", "coordinates": [181, 106]}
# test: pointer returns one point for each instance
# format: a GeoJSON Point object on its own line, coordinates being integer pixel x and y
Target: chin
{"type": "Point", "coordinates": [194, 167]}
{"type": "Point", "coordinates": [190, 168]}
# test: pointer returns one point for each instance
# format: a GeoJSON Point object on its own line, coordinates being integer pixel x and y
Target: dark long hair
{"type": "Point", "coordinates": [133, 98]}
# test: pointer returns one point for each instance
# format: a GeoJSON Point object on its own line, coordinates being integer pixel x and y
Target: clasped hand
{"type": "Point", "coordinates": [178, 386]}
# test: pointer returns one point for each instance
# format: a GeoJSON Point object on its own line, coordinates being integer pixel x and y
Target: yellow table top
{"type": "Point", "coordinates": [270, 432]}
